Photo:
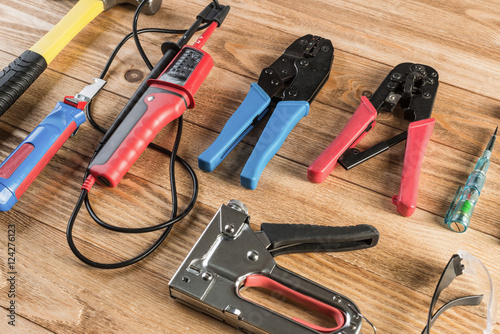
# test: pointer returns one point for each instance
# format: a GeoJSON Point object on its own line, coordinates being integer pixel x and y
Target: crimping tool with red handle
{"type": "Point", "coordinates": [411, 86]}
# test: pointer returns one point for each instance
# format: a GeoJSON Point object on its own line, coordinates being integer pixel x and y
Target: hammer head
{"type": "Point", "coordinates": [150, 8]}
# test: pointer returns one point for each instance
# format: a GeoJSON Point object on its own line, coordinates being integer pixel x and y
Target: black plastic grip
{"type": "Point", "coordinates": [18, 76]}
{"type": "Point", "coordinates": [301, 238]}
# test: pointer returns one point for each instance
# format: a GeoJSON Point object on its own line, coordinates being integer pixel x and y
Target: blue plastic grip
{"type": "Point", "coordinates": [249, 113]}
{"type": "Point", "coordinates": [42, 138]}
{"type": "Point", "coordinates": [284, 118]}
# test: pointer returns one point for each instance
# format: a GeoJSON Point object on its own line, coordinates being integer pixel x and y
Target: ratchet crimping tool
{"type": "Point", "coordinates": [288, 86]}
{"type": "Point", "coordinates": [411, 86]}
{"type": "Point", "coordinates": [230, 256]}
{"type": "Point", "coordinates": [24, 164]}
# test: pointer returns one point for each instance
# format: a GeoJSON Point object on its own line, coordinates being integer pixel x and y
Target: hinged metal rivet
{"type": "Point", "coordinates": [275, 82]}
{"type": "Point", "coordinates": [268, 71]}
{"type": "Point", "coordinates": [253, 255]}
{"type": "Point", "coordinates": [229, 229]}
{"type": "Point", "coordinates": [397, 76]}
{"type": "Point", "coordinates": [237, 205]}
{"type": "Point", "coordinates": [207, 276]}
{"type": "Point", "coordinates": [426, 95]}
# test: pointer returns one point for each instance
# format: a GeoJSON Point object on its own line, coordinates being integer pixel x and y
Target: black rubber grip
{"type": "Point", "coordinates": [18, 76]}
{"type": "Point", "coordinates": [301, 238]}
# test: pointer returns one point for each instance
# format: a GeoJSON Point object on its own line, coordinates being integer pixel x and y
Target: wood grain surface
{"type": "Point", "coordinates": [391, 283]}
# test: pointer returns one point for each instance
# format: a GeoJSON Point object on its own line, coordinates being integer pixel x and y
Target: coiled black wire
{"type": "Point", "coordinates": [84, 198]}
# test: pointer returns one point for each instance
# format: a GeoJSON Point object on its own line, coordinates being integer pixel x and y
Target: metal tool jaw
{"type": "Point", "coordinates": [86, 95]}
{"type": "Point", "coordinates": [300, 72]}
{"type": "Point", "coordinates": [413, 88]}
{"type": "Point", "coordinates": [229, 256]}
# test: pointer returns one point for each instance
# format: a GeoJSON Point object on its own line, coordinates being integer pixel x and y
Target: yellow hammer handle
{"type": "Point", "coordinates": [63, 32]}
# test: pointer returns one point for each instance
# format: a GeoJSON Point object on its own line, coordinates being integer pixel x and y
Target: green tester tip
{"type": "Point", "coordinates": [462, 206]}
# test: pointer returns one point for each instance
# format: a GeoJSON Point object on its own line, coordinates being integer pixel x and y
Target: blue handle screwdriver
{"type": "Point", "coordinates": [458, 215]}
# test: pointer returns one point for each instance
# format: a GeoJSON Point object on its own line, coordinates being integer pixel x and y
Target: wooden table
{"type": "Point", "coordinates": [391, 283]}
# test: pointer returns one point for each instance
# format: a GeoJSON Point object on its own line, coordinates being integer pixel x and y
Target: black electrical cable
{"type": "Point", "coordinates": [167, 225]}
{"type": "Point", "coordinates": [136, 35]}
{"type": "Point", "coordinates": [173, 157]}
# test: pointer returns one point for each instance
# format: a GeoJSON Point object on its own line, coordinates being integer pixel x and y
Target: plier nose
{"type": "Point", "coordinates": [413, 87]}
{"type": "Point", "coordinates": [286, 88]}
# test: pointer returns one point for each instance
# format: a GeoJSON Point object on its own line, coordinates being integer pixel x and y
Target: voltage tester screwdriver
{"type": "Point", "coordinates": [458, 216]}
{"type": "Point", "coordinates": [161, 98]}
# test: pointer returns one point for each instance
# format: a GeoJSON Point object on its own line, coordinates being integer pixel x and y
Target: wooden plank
{"type": "Point", "coordinates": [80, 300]}
{"type": "Point", "coordinates": [320, 211]}
{"type": "Point", "coordinates": [449, 158]}
{"type": "Point", "coordinates": [463, 57]}
{"type": "Point", "coordinates": [391, 283]}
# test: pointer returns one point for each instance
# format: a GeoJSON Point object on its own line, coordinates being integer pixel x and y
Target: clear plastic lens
{"type": "Point", "coordinates": [473, 266]}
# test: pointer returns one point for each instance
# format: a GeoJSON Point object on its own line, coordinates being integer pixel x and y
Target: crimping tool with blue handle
{"type": "Point", "coordinates": [288, 86]}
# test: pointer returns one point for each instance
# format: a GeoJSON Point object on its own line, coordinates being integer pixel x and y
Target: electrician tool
{"type": "Point", "coordinates": [229, 256]}
{"type": "Point", "coordinates": [288, 86]}
{"type": "Point", "coordinates": [411, 86]}
{"type": "Point", "coordinates": [22, 72]}
{"type": "Point", "coordinates": [165, 99]}
{"type": "Point", "coordinates": [162, 97]}
{"type": "Point", "coordinates": [23, 165]}
{"type": "Point", "coordinates": [462, 206]}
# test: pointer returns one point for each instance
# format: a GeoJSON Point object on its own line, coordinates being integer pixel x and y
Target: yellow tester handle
{"type": "Point", "coordinates": [63, 32]}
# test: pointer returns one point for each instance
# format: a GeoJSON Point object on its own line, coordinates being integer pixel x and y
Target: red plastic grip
{"type": "Point", "coordinates": [16, 160]}
{"type": "Point", "coordinates": [162, 108]}
{"type": "Point", "coordinates": [418, 137]}
{"type": "Point", "coordinates": [37, 169]}
{"type": "Point", "coordinates": [350, 135]}
{"type": "Point", "coordinates": [260, 281]}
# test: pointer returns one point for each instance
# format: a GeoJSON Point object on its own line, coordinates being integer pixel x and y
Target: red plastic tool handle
{"type": "Point", "coordinates": [165, 100]}
{"type": "Point", "coordinates": [162, 108]}
{"type": "Point", "coordinates": [260, 281]}
{"type": "Point", "coordinates": [350, 135]}
{"type": "Point", "coordinates": [418, 137]}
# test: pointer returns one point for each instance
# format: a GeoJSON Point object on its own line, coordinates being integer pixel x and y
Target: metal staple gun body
{"type": "Point", "coordinates": [413, 87]}
{"type": "Point", "coordinates": [230, 256]}
{"type": "Point", "coordinates": [287, 87]}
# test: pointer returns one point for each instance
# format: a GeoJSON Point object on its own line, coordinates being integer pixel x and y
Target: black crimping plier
{"type": "Point", "coordinates": [411, 86]}
{"type": "Point", "coordinates": [288, 86]}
